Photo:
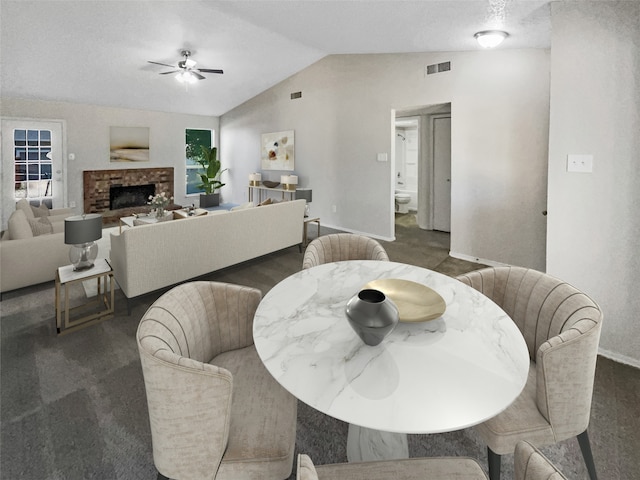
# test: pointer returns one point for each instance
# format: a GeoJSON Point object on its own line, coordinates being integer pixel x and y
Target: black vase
{"type": "Point", "coordinates": [372, 315]}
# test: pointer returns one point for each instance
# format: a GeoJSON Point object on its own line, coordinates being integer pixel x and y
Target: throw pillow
{"type": "Point", "coordinates": [41, 211]}
{"type": "Point", "coordinates": [306, 469]}
{"type": "Point", "coordinates": [24, 205]}
{"type": "Point", "coordinates": [40, 226]}
{"type": "Point", "coordinates": [18, 226]}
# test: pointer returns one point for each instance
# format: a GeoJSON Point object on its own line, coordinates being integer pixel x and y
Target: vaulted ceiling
{"type": "Point", "coordinates": [97, 52]}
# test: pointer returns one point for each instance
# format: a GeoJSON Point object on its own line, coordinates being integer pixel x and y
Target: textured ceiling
{"type": "Point", "coordinates": [96, 52]}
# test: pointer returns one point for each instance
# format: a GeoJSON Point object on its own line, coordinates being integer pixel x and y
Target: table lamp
{"type": "Point", "coordinates": [81, 232]}
{"type": "Point", "coordinates": [304, 193]}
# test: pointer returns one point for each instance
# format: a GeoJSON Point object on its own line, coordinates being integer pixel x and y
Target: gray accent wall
{"type": "Point", "coordinates": [593, 236]}
{"type": "Point", "coordinates": [345, 118]}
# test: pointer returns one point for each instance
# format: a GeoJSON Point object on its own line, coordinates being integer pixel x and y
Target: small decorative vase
{"type": "Point", "coordinates": [372, 315]}
{"type": "Point", "coordinates": [159, 212]}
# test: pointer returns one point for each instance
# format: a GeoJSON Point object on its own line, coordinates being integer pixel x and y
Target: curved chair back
{"type": "Point", "coordinates": [342, 246]}
{"type": "Point", "coordinates": [530, 464]}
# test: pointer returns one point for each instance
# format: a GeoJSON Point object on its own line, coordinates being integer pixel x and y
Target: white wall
{"type": "Point", "coordinates": [87, 129]}
{"type": "Point", "coordinates": [594, 224]}
{"type": "Point", "coordinates": [500, 107]}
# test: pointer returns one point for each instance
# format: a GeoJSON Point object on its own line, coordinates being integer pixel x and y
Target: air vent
{"type": "Point", "coordinates": [295, 95]}
{"type": "Point", "coordinates": [437, 68]}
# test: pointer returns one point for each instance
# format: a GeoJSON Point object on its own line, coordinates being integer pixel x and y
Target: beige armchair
{"type": "Point", "coordinates": [342, 246]}
{"type": "Point", "coordinates": [215, 411]}
{"type": "Point", "coordinates": [437, 468]}
{"type": "Point", "coordinates": [561, 327]}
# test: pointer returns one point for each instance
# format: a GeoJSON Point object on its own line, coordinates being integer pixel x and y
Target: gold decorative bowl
{"type": "Point", "coordinates": [270, 184]}
{"type": "Point", "coordinates": [415, 302]}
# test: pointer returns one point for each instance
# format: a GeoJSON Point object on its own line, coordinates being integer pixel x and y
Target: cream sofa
{"type": "Point", "coordinates": [28, 259]}
{"type": "Point", "coordinates": [146, 258]}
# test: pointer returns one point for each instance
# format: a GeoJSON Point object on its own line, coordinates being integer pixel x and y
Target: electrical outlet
{"type": "Point", "coordinates": [72, 204]}
{"type": "Point", "coordinates": [334, 209]}
{"type": "Point", "coordinates": [580, 163]}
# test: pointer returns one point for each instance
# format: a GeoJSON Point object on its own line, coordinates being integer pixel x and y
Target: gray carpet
{"type": "Point", "coordinates": [74, 407]}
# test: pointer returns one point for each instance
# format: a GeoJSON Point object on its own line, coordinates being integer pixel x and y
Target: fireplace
{"type": "Point", "coordinates": [130, 196]}
{"type": "Point", "coordinates": [98, 196]}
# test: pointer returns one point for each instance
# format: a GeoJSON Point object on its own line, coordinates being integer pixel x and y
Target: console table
{"type": "Point", "coordinates": [261, 189]}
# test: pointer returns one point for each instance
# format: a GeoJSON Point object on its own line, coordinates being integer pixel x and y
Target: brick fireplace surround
{"type": "Point", "coordinates": [96, 185]}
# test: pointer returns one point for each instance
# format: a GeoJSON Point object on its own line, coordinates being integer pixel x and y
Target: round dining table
{"type": "Point", "coordinates": [441, 375]}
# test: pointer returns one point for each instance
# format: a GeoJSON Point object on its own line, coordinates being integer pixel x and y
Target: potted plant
{"type": "Point", "coordinates": [208, 160]}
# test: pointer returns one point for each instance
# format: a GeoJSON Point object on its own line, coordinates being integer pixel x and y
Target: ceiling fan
{"type": "Point", "coordinates": [186, 69]}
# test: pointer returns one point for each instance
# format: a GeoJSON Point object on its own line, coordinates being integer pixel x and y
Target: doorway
{"type": "Point", "coordinates": [32, 164]}
{"type": "Point", "coordinates": [433, 206]}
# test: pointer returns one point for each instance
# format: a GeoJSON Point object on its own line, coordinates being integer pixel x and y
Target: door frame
{"type": "Point", "coordinates": [8, 200]}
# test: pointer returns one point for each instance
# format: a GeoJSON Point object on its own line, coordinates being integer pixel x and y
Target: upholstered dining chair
{"type": "Point", "coordinates": [529, 464]}
{"type": "Point", "coordinates": [561, 326]}
{"type": "Point", "coordinates": [342, 246]}
{"type": "Point", "coordinates": [215, 411]}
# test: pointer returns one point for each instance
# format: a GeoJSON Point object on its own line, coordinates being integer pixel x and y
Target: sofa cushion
{"type": "Point", "coordinates": [41, 211]}
{"type": "Point", "coordinates": [40, 226]}
{"type": "Point", "coordinates": [18, 226]}
{"type": "Point", "coordinates": [24, 205]}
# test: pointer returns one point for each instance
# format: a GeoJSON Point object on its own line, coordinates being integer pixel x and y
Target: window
{"type": "Point", "coordinates": [32, 161]}
{"type": "Point", "coordinates": [195, 139]}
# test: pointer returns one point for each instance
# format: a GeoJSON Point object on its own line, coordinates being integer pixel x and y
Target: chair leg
{"type": "Point", "coordinates": [585, 446]}
{"type": "Point", "coordinates": [494, 464]}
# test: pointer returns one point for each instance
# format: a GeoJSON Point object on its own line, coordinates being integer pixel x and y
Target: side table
{"type": "Point", "coordinates": [307, 221]}
{"type": "Point", "coordinates": [105, 298]}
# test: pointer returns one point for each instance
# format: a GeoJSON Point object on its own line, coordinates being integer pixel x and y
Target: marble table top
{"type": "Point", "coordinates": [442, 375]}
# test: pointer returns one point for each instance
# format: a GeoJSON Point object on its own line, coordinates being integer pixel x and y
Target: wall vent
{"type": "Point", "coordinates": [295, 95]}
{"type": "Point", "coordinates": [437, 68]}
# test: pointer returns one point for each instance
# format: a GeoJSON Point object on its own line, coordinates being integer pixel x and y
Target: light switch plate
{"type": "Point", "coordinates": [579, 163]}
{"type": "Point", "coordinates": [382, 157]}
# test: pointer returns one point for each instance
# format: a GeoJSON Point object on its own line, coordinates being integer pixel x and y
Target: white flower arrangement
{"type": "Point", "coordinates": [160, 201]}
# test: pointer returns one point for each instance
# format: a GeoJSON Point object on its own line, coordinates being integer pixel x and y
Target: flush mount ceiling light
{"type": "Point", "coordinates": [490, 38]}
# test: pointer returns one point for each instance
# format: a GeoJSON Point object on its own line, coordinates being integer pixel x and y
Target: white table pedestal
{"type": "Point", "coordinates": [365, 444]}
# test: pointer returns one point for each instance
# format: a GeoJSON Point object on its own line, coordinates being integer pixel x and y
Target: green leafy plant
{"type": "Point", "coordinates": [208, 160]}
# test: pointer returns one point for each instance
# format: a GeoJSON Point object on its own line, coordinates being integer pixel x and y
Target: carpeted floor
{"type": "Point", "coordinates": [73, 407]}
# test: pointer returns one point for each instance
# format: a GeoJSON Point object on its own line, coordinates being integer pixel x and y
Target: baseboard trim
{"type": "Point", "coordinates": [469, 258]}
{"type": "Point", "coordinates": [616, 357]}
{"type": "Point", "coordinates": [356, 232]}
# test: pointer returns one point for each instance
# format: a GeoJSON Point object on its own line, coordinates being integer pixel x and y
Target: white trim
{"type": "Point", "coordinates": [616, 357]}
{"type": "Point", "coordinates": [469, 258]}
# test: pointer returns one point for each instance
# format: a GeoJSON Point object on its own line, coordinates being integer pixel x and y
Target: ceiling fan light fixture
{"type": "Point", "coordinates": [490, 38]}
{"type": "Point", "coordinates": [186, 77]}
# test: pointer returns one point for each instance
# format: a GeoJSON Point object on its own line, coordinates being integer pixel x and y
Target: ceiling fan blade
{"type": "Point", "coordinates": [208, 70]}
{"type": "Point", "coordinates": [167, 73]}
{"type": "Point", "coordinates": [163, 64]}
{"type": "Point", "coordinates": [197, 75]}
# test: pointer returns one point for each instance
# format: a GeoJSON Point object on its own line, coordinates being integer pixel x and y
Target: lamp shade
{"type": "Point", "coordinates": [304, 194]}
{"type": "Point", "coordinates": [81, 229]}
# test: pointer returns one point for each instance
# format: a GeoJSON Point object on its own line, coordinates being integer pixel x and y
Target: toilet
{"type": "Point", "coordinates": [402, 202]}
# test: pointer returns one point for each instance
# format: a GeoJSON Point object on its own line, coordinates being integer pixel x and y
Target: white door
{"type": "Point", "coordinates": [32, 164]}
{"type": "Point", "coordinates": [442, 174]}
